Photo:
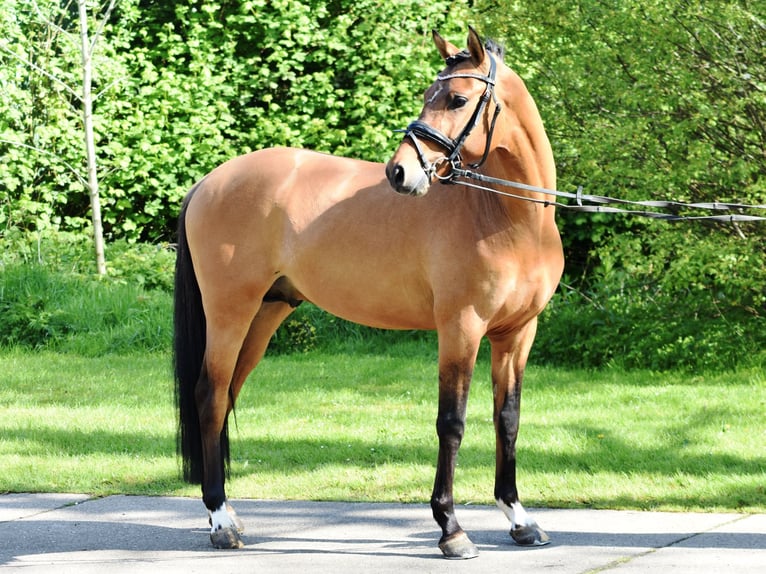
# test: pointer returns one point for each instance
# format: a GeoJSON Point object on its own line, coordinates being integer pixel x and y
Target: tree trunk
{"type": "Point", "coordinates": [90, 147]}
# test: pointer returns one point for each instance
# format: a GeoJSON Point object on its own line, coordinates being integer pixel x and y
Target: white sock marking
{"type": "Point", "coordinates": [516, 514]}
{"type": "Point", "coordinates": [221, 519]}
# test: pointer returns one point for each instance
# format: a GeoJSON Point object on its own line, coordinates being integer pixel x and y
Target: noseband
{"type": "Point", "coordinates": [418, 129]}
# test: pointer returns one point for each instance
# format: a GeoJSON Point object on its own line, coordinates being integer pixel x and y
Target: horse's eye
{"type": "Point", "coordinates": [457, 102]}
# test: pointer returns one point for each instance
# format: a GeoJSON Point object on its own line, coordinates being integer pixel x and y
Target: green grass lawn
{"type": "Point", "coordinates": [360, 426]}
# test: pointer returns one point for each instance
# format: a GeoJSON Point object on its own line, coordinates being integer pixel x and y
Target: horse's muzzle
{"type": "Point", "coordinates": [412, 181]}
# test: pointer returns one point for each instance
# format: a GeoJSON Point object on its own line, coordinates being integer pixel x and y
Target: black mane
{"type": "Point", "coordinates": [489, 44]}
{"type": "Point", "coordinates": [495, 47]}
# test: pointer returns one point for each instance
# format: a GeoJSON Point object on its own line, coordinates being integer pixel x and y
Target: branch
{"type": "Point", "coordinates": [39, 70]}
{"type": "Point", "coordinates": [109, 87]}
{"type": "Point", "coordinates": [49, 154]}
{"type": "Point", "coordinates": [97, 33]}
{"type": "Point", "coordinates": [47, 21]}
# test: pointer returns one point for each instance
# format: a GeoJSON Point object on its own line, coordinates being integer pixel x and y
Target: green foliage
{"type": "Point", "coordinates": [146, 265]}
{"type": "Point", "coordinates": [635, 318]}
{"type": "Point", "coordinates": [25, 316]}
{"type": "Point", "coordinates": [40, 145]}
{"type": "Point", "coordinates": [296, 335]}
{"type": "Point", "coordinates": [607, 328]}
{"type": "Point", "coordinates": [663, 305]}
{"type": "Point", "coordinates": [184, 86]}
{"type": "Point", "coordinates": [49, 298]}
{"type": "Point", "coordinates": [650, 100]}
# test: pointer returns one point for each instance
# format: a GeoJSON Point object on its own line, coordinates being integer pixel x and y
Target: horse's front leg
{"type": "Point", "coordinates": [454, 382]}
{"type": "Point", "coordinates": [509, 357]}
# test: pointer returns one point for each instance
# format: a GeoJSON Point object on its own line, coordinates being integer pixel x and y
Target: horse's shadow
{"type": "Point", "coordinates": [101, 527]}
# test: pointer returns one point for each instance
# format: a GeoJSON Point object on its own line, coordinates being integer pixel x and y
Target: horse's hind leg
{"type": "Point", "coordinates": [268, 319]}
{"type": "Point", "coordinates": [509, 357]}
{"type": "Point", "coordinates": [224, 522]}
{"type": "Point", "coordinates": [225, 336]}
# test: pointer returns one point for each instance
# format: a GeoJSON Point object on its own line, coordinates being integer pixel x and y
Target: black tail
{"type": "Point", "coordinates": [188, 353]}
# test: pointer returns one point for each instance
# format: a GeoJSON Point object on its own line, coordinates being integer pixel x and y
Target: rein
{"type": "Point", "coordinates": [602, 203]}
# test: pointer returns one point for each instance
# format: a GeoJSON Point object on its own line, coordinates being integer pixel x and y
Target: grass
{"type": "Point", "coordinates": [80, 314]}
{"type": "Point", "coordinates": [324, 426]}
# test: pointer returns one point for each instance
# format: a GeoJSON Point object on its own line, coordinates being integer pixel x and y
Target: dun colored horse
{"type": "Point", "coordinates": [268, 230]}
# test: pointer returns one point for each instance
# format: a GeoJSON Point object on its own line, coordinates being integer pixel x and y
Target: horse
{"type": "Point", "coordinates": [396, 246]}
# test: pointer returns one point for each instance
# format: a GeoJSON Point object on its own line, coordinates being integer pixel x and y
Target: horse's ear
{"type": "Point", "coordinates": [445, 48]}
{"type": "Point", "coordinates": [475, 47]}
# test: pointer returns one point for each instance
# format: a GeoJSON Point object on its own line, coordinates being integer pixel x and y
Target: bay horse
{"type": "Point", "coordinates": [266, 231]}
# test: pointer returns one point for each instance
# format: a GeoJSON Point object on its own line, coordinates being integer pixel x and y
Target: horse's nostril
{"type": "Point", "coordinates": [395, 175]}
{"type": "Point", "coordinates": [398, 176]}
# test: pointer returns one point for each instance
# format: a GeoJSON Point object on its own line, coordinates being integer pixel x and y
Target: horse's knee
{"type": "Point", "coordinates": [441, 504]}
{"type": "Point", "coordinates": [450, 425]}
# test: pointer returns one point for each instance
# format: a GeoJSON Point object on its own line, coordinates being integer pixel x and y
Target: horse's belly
{"type": "Point", "coordinates": [367, 297]}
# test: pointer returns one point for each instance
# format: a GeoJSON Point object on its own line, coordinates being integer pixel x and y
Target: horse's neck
{"type": "Point", "coordinates": [525, 207]}
{"type": "Point", "coordinates": [525, 156]}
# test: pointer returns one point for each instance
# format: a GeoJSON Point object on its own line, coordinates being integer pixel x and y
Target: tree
{"type": "Point", "coordinates": [56, 32]}
{"type": "Point", "coordinates": [651, 100]}
{"type": "Point", "coordinates": [201, 81]}
{"type": "Point", "coordinates": [87, 48]}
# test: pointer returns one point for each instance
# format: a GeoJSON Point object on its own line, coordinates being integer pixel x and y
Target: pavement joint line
{"type": "Point", "coordinates": [48, 510]}
{"type": "Point", "coordinates": [620, 562]}
{"type": "Point", "coordinates": [734, 520]}
{"type": "Point", "coordinates": [627, 559]}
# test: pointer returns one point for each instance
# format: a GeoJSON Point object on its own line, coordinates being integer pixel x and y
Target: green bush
{"type": "Point", "coordinates": [148, 265]}
{"type": "Point", "coordinates": [28, 314]}
{"type": "Point", "coordinates": [51, 298]}
{"type": "Point", "coordinates": [297, 334]}
{"type": "Point", "coordinates": [646, 328]}
{"type": "Point", "coordinates": [637, 318]}
{"type": "Point", "coordinates": [40, 308]}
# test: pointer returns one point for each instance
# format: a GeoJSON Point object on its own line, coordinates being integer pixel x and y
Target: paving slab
{"type": "Point", "coordinates": [15, 506]}
{"type": "Point", "coordinates": [77, 534]}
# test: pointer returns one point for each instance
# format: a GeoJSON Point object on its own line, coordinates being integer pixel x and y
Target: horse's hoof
{"type": "Point", "coordinates": [530, 535]}
{"type": "Point", "coordinates": [226, 538]}
{"type": "Point", "coordinates": [237, 520]}
{"type": "Point", "coordinates": [458, 547]}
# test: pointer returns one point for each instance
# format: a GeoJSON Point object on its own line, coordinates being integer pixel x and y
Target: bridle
{"type": "Point", "coordinates": [456, 173]}
{"type": "Point", "coordinates": [418, 129]}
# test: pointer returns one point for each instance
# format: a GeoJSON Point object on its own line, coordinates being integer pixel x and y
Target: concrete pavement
{"type": "Point", "coordinates": [61, 533]}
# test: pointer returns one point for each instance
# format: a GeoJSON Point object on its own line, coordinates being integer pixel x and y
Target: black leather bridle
{"type": "Point", "coordinates": [418, 129]}
{"type": "Point", "coordinates": [458, 174]}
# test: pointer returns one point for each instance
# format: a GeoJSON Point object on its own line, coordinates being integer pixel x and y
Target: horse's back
{"type": "Point", "coordinates": [279, 172]}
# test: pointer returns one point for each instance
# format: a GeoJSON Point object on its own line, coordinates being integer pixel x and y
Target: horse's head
{"type": "Point", "coordinates": [457, 121]}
